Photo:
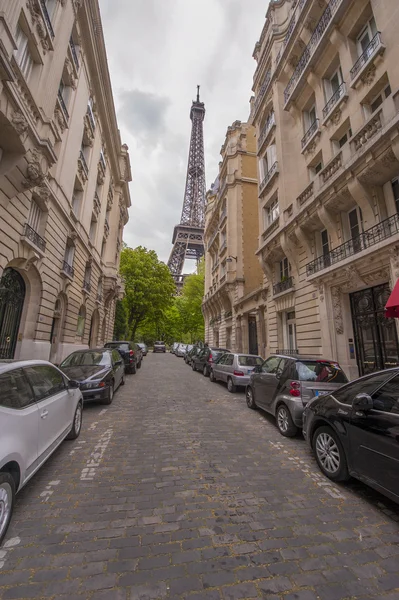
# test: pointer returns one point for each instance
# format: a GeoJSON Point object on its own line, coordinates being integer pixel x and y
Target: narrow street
{"type": "Point", "coordinates": [178, 490]}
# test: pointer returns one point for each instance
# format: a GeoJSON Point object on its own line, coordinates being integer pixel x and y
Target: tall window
{"type": "Point", "coordinates": [87, 276]}
{"type": "Point", "coordinates": [22, 53]}
{"type": "Point", "coordinates": [395, 189]}
{"type": "Point", "coordinates": [365, 37]}
{"type": "Point", "coordinates": [309, 117]}
{"type": "Point", "coordinates": [325, 246]}
{"type": "Point", "coordinates": [69, 253]}
{"type": "Point", "coordinates": [93, 228]}
{"type": "Point", "coordinates": [35, 216]}
{"type": "Point", "coordinates": [290, 331]}
{"type": "Point", "coordinates": [272, 212]}
{"type": "Point", "coordinates": [81, 322]}
{"type": "Point", "coordinates": [332, 85]}
{"type": "Point", "coordinates": [284, 269]}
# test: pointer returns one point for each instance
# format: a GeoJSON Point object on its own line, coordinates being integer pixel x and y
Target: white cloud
{"type": "Point", "coordinates": [158, 51]}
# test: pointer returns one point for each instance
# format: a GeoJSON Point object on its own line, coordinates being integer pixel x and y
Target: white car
{"type": "Point", "coordinates": [39, 408]}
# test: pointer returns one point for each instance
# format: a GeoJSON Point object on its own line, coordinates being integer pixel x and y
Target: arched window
{"type": "Point", "coordinates": [81, 321]}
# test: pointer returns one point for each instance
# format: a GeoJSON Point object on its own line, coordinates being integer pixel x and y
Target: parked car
{"type": "Point", "coordinates": [189, 348]}
{"type": "Point", "coordinates": [205, 358]}
{"type": "Point", "coordinates": [139, 354]}
{"type": "Point", "coordinates": [99, 372]}
{"type": "Point", "coordinates": [143, 348]}
{"type": "Point", "coordinates": [173, 347]}
{"type": "Point", "coordinates": [39, 408]}
{"type": "Point", "coordinates": [283, 385]}
{"type": "Point", "coordinates": [353, 431]}
{"type": "Point", "coordinates": [194, 352]}
{"type": "Point", "coordinates": [128, 351]}
{"type": "Point", "coordinates": [234, 369]}
{"type": "Point", "coordinates": [159, 347]}
{"type": "Point", "coordinates": [181, 350]}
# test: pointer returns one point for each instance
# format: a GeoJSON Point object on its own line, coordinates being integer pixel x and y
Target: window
{"type": "Point", "coordinates": [325, 246]}
{"type": "Point", "coordinates": [91, 359]}
{"type": "Point", "coordinates": [320, 371]}
{"type": "Point", "coordinates": [15, 390]}
{"type": "Point", "coordinates": [386, 399]}
{"type": "Point", "coordinates": [229, 360]}
{"type": "Point", "coordinates": [35, 216]}
{"type": "Point", "coordinates": [355, 219]}
{"type": "Point", "coordinates": [395, 189]}
{"type": "Point", "coordinates": [289, 330]}
{"type": "Point", "coordinates": [346, 394]}
{"type": "Point", "coordinates": [284, 269]}
{"type": "Point", "coordinates": [318, 168]}
{"type": "Point", "coordinates": [45, 381]}
{"type": "Point", "coordinates": [116, 356]}
{"type": "Point", "coordinates": [343, 140]}
{"type": "Point", "coordinates": [249, 361]}
{"type": "Point", "coordinates": [22, 53]}
{"type": "Point", "coordinates": [81, 322]}
{"type": "Point", "coordinates": [379, 99]}
{"type": "Point", "coordinates": [103, 245]}
{"type": "Point", "coordinates": [90, 112]}
{"type": "Point", "coordinates": [272, 212]}
{"type": "Point", "coordinates": [333, 84]}
{"type": "Point", "coordinates": [365, 37]}
{"type": "Point", "coordinates": [76, 201]}
{"type": "Point", "coordinates": [69, 253]}
{"type": "Point", "coordinates": [92, 232]}
{"type": "Point", "coordinates": [271, 364]}
{"type": "Point", "coordinates": [309, 118]}
{"type": "Point", "coordinates": [64, 91]}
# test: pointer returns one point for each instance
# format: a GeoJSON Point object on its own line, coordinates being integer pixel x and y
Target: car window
{"type": "Point", "coordinates": [250, 361]}
{"type": "Point", "coordinates": [115, 356]}
{"type": "Point", "coordinates": [15, 390]}
{"type": "Point", "coordinates": [229, 359]}
{"type": "Point", "coordinates": [271, 364]}
{"type": "Point", "coordinates": [79, 359]}
{"type": "Point", "coordinates": [320, 371]}
{"type": "Point", "coordinates": [368, 385]}
{"type": "Point", "coordinates": [45, 380]}
{"type": "Point", "coordinates": [222, 359]}
{"type": "Point", "coordinates": [386, 398]}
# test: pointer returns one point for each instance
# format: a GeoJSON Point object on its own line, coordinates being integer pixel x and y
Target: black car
{"type": "Point", "coordinates": [128, 351]}
{"type": "Point", "coordinates": [99, 372]}
{"type": "Point", "coordinates": [192, 353]}
{"type": "Point", "coordinates": [354, 431]}
{"type": "Point", "coordinates": [203, 360]}
{"type": "Point", "coordinates": [144, 348]}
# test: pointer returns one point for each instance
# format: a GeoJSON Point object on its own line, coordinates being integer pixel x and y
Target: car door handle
{"type": "Point", "coordinates": [44, 414]}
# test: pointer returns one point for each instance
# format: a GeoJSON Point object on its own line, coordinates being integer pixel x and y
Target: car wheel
{"type": "Point", "coordinates": [110, 396]}
{"type": "Point", "coordinates": [133, 369]}
{"type": "Point", "coordinates": [122, 380]}
{"type": "Point", "coordinates": [77, 423]}
{"type": "Point", "coordinates": [193, 367]}
{"type": "Point", "coordinates": [285, 424]}
{"type": "Point", "coordinates": [249, 396]}
{"type": "Point", "coordinates": [230, 385]}
{"type": "Point", "coordinates": [205, 371]}
{"type": "Point", "coordinates": [330, 454]}
{"type": "Point", "coordinates": [139, 365]}
{"type": "Point", "coordinates": [7, 501]}
{"type": "Point", "coordinates": [212, 376]}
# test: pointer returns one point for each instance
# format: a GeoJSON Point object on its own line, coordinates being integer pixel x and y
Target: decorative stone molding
{"type": "Point", "coordinates": [337, 310]}
{"type": "Point", "coordinates": [59, 119]}
{"type": "Point", "coordinates": [37, 19]}
{"type": "Point", "coordinates": [19, 122]}
{"type": "Point", "coordinates": [333, 166]}
{"type": "Point", "coordinates": [100, 174]}
{"type": "Point", "coordinates": [353, 277]}
{"type": "Point", "coordinates": [306, 194]}
{"type": "Point", "coordinates": [35, 172]}
{"type": "Point", "coordinates": [336, 117]}
{"type": "Point", "coordinates": [367, 131]}
{"type": "Point", "coordinates": [379, 275]}
{"type": "Point", "coordinates": [369, 75]}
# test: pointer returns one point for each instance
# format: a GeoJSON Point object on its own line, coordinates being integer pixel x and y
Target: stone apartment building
{"type": "Point", "coordinates": [232, 305]}
{"type": "Point", "coordinates": [64, 177]}
{"type": "Point", "coordinates": [326, 113]}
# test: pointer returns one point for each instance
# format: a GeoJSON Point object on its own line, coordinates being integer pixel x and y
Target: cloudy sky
{"type": "Point", "coordinates": [158, 51]}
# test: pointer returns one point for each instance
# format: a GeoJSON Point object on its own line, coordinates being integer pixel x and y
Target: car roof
{"type": "Point", "coordinates": [11, 364]}
{"type": "Point", "coordinates": [297, 357]}
{"type": "Point", "coordinates": [117, 342]}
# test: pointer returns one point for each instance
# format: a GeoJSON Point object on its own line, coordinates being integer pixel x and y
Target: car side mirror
{"type": "Point", "coordinates": [362, 402]}
{"type": "Point", "coordinates": [73, 385]}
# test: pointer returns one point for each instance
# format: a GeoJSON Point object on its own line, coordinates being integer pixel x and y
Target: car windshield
{"type": "Point", "coordinates": [87, 359]}
{"type": "Point", "coordinates": [250, 361]}
{"type": "Point", "coordinates": [189, 347]}
{"type": "Point", "coordinates": [159, 343]}
{"type": "Point", "coordinates": [320, 371]}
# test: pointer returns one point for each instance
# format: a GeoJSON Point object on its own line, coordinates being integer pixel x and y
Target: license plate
{"type": "Point", "coordinates": [249, 371]}
{"type": "Point", "coordinates": [320, 393]}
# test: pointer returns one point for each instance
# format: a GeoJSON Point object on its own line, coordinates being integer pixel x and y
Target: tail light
{"type": "Point", "coordinates": [238, 373]}
{"type": "Point", "coordinates": [131, 352]}
{"type": "Point", "coordinates": [295, 389]}
{"type": "Point", "coordinates": [210, 359]}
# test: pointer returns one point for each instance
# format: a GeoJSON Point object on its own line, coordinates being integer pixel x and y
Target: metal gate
{"type": "Point", "coordinates": [12, 296]}
{"type": "Point", "coordinates": [252, 335]}
{"type": "Point", "coordinates": [376, 339]}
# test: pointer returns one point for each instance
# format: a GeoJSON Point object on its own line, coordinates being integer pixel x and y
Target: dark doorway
{"type": "Point", "coordinates": [252, 335]}
{"type": "Point", "coordinates": [12, 296]}
{"type": "Point", "coordinates": [376, 339]}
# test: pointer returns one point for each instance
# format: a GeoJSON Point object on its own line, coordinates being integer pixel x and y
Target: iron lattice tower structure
{"type": "Point", "coordinates": [188, 236]}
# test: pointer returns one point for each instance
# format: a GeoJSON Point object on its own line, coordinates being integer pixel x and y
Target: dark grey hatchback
{"type": "Point", "coordinates": [354, 431]}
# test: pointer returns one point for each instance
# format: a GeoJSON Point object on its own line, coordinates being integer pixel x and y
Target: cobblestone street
{"type": "Point", "coordinates": [178, 490]}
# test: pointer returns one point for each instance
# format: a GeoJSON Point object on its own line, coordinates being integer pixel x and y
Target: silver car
{"type": "Point", "coordinates": [39, 408]}
{"type": "Point", "coordinates": [181, 350]}
{"type": "Point", "coordinates": [234, 369]}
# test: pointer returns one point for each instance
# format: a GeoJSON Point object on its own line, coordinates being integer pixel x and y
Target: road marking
{"type": "Point", "coordinates": [102, 412]}
{"type": "Point", "coordinates": [48, 491]}
{"type": "Point", "coordinates": [6, 547]}
{"type": "Point", "coordinates": [77, 447]}
{"type": "Point", "coordinates": [93, 426]}
{"type": "Point", "coordinates": [89, 471]}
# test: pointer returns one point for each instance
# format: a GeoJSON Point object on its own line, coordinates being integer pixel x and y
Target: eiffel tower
{"type": "Point", "coordinates": [188, 236]}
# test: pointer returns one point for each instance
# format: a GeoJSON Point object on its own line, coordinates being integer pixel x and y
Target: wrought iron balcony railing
{"type": "Point", "coordinates": [102, 161]}
{"type": "Point", "coordinates": [310, 49]}
{"type": "Point", "coordinates": [87, 286]}
{"type": "Point", "coordinates": [66, 267]}
{"type": "Point", "coordinates": [272, 171]}
{"type": "Point", "coordinates": [84, 163]}
{"type": "Point", "coordinates": [283, 286]}
{"type": "Point", "coordinates": [34, 237]}
{"type": "Point", "coordinates": [97, 203]}
{"type": "Point", "coordinates": [337, 95]}
{"type": "Point", "coordinates": [213, 238]}
{"type": "Point", "coordinates": [271, 121]}
{"type": "Point", "coordinates": [310, 133]}
{"type": "Point", "coordinates": [290, 29]}
{"type": "Point", "coordinates": [223, 215]}
{"type": "Point", "coordinates": [262, 90]}
{"type": "Point", "coordinates": [74, 53]}
{"type": "Point", "coordinates": [367, 54]}
{"type": "Point", "coordinates": [47, 18]}
{"type": "Point", "coordinates": [223, 246]}
{"type": "Point", "coordinates": [367, 239]}
{"type": "Point", "coordinates": [63, 105]}
{"type": "Point", "coordinates": [91, 118]}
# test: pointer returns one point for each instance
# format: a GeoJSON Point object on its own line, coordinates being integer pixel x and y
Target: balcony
{"type": "Point", "coordinates": [47, 19]}
{"type": "Point", "coordinates": [67, 269]}
{"type": "Point", "coordinates": [223, 246]}
{"type": "Point", "coordinates": [223, 215]}
{"type": "Point", "coordinates": [215, 267]}
{"type": "Point", "coordinates": [310, 134]}
{"type": "Point", "coordinates": [87, 286]}
{"type": "Point", "coordinates": [96, 204]}
{"type": "Point", "coordinates": [33, 239]}
{"type": "Point", "coordinates": [262, 91]}
{"type": "Point", "coordinates": [373, 126]}
{"type": "Point", "coordinates": [274, 225]}
{"type": "Point", "coordinates": [101, 168]}
{"type": "Point", "coordinates": [91, 119]}
{"type": "Point", "coordinates": [110, 199]}
{"type": "Point", "coordinates": [376, 234]}
{"type": "Point", "coordinates": [338, 96]}
{"type": "Point", "coordinates": [82, 166]}
{"type": "Point", "coordinates": [270, 123]}
{"type": "Point", "coordinates": [268, 178]}
{"type": "Point", "coordinates": [310, 51]}
{"type": "Point", "coordinates": [106, 228]}
{"type": "Point", "coordinates": [306, 194]}
{"type": "Point", "coordinates": [62, 104]}
{"type": "Point", "coordinates": [375, 48]}
{"type": "Point", "coordinates": [290, 29]}
{"type": "Point", "coordinates": [99, 298]}
{"type": "Point", "coordinates": [331, 168]}
{"type": "Point", "coordinates": [75, 58]}
{"type": "Point", "coordinates": [283, 286]}
{"type": "Point", "coordinates": [213, 238]}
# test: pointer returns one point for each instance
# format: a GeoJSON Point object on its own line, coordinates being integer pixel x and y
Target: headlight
{"type": "Point", "coordinates": [92, 384]}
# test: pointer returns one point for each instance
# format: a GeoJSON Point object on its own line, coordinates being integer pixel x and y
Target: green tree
{"type": "Point", "coordinates": [190, 307]}
{"type": "Point", "coordinates": [120, 326]}
{"type": "Point", "coordinates": [149, 286]}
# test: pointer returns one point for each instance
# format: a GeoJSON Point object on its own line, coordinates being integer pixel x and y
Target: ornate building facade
{"type": "Point", "coordinates": [233, 306]}
{"type": "Point", "coordinates": [64, 177]}
{"type": "Point", "coordinates": [326, 113]}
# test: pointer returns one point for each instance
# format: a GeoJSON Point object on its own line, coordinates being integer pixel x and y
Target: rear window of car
{"type": "Point", "coordinates": [250, 361]}
{"type": "Point", "coordinates": [159, 343]}
{"type": "Point", "coordinates": [320, 371]}
{"type": "Point", "coordinates": [216, 354]}
{"type": "Point", "coordinates": [121, 346]}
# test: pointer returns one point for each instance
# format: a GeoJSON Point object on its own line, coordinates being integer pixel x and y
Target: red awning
{"type": "Point", "coordinates": [392, 306]}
